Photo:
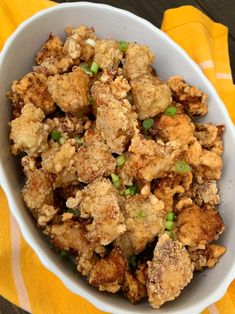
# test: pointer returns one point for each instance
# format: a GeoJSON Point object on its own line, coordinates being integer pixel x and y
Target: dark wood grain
{"type": "Point", "coordinates": [152, 10]}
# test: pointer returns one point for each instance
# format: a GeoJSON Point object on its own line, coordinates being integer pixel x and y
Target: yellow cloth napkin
{"type": "Point", "coordinates": [23, 279]}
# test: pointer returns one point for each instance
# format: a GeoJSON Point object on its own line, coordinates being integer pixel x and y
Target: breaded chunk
{"type": "Point", "coordinates": [77, 43]}
{"type": "Point", "coordinates": [192, 99]}
{"type": "Point", "coordinates": [150, 159]}
{"type": "Point", "coordinates": [68, 125]}
{"type": "Point", "coordinates": [69, 90]}
{"type": "Point", "coordinates": [144, 218]}
{"type": "Point", "coordinates": [151, 95]}
{"type": "Point", "coordinates": [208, 257]}
{"type": "Point", "coordinates": [199, 226]}
{"type": "Point", "coordinates": [204, 193]}
{"type": "Point", "coordinates": [99, 201]}
{"type": "Point", "coordinates": [178, 127]}
{"type": "Point", "coordinates": [107, 273]}
{"type": "Point", "coordinates": [52, 48]}
{"type": "Point", "coordinates": [71, 235]}
{"type": "Point", "coordinates": [138, 61]}
{"type": "Point", "coordinates": [210, 136]}
{"type": "Point", "coordinates": [28, 133]}
{"type": "Point", "coordinates": [107, 54]}
{"type": "Point", "coordinates": [32, 88]}
{"type": "Point", "coordinates": [169, 272]}
{"type": "Point", "coordinates": [133, 289]}
{"type": "Point", "coordinates": [117, 123]}
{"type": "Point", "coordinates": [38, 196]}
{"type": "Point", "coordinates": [94, 160]}
{"type": "Point", "coordinates": [172, 184]}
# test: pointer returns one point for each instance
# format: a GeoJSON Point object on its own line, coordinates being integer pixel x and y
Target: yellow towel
{"type": "Point", "coordinates": [23, 279]}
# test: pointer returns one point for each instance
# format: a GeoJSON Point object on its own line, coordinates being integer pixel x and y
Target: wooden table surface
{"type": "Point", "coordinates": [152, 10]}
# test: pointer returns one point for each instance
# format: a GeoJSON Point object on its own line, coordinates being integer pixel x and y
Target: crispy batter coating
{"type": "Point", "coordinates": [151, 95]}
{"type": "Point", "coordinates": [192, 99]}
{"type": "Point", "coordinates": [145, 218]}
{"type": "Point", "coordinates": [99, 200]}
{"type": "Point", "coordinates": [52, 48]}
{"type": "Point", "coordinates": [107, 54]}
{"type": "Point", "coordinates": [210, 137]}
{"type": "Point", "coordinates": [69, 90]}
{"type": "Point", "coordinates": [150, 159]}
{"type": "Point", "coordinates": [169, 272]}
{"type": "Point", "coordinates": [207, 257]}
{"type": "Point", "coordinates": [71, 235]}
{"type": "Point", "coordinates": [68, 125]}
{"type": "Point", "coordinates": [94, 160]}
{"type": "Point", "coordinates": [133, 289]}
{"type": "Point", "coordinates": [138, 61]}
{"type": "Point", "coordinates": [38, 196]}
{"type": "Point", "coordinates": [31, 88]}
{"type": "Point", "coordinates": [178, 127]}
{"type": "Point", "coordinates": [28, 133]}
{"type": "Point", "coordinates": [205, 193]}
{"type": "Point", "coordinates": [117, 123]}
{"type": "Point", "coordinates": [172, 184]}
{"type": "Point", "coordinates": [199, 226]}
{"type": "Point", "coordinates": [107, 273]}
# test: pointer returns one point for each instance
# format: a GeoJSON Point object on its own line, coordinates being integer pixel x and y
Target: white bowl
{"type": "Point", "coordinates": [16, 59]}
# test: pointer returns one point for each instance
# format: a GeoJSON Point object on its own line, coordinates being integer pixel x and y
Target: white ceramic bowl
{"type": "Point", "coordinates": [109, 22]}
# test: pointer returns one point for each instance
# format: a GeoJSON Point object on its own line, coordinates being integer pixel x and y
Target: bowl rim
{"type": "Point", "coordinates": [43, 257]}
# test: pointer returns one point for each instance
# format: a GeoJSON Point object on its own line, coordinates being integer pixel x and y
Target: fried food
{"type": "Point", "coordinates": [119, 173]}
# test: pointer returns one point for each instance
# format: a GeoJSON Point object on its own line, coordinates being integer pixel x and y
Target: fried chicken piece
{"type": "Point", "coordinates": [193, 100]}
{"type": "Point", "coordinates": [169, 272]}
{"type": "Point", "coordinates": [108, 272]}
{"type": "Point", "coordinates": [124, 242]}
{"type": "Point", "coordinates": [94, 159]}
{"type": "Point", "coordinates": [210, 137]}
{"type": "Point", "coordinates": [99, 201]}
{"type": "Point", "coordinates": [32, 88]}
{"type": "Point", "coordinates": [107, 54]}
{"type": "Point", "coordinates": [59, 160]}
{"type": "Point", "coordinates": [208, 257]}
{"type": "Point", "coordinates": [145, 218]}
{"type": "Point", "coordinates": [85, 264]}
{"type": "Point", "coordinates": [133, 289]}
{"type": "Point", "coordinates": [204, 193]}
{"type": "Point", "coordinates": [28, 133]}
{"type": "Point", "coordinates": [172, 184]}
{"type": "Point", "coordinates": [150, 159]}
{"type": "Point", "coordinates": [68, 125]}
{"type": "Point", "coordinates": [70, 90]}
{"type": "Point", "coordinates": [52, 48]}
{"type": "Point", "coordinates": [151, 95]}
{"type": "Point", "coordinates": [29, 164]}
{"type": "Point", "coordinates": [38, 196]}
{"type": "Point", "coordinates": [117, 123]}
{"type": "Point", "coordinates": [71, 235]}
{"type": "Point", "coordinates": [77, 44]}
{"type": "Point", "coordinates": [138, 61]}
{"type": "Point", "coordinates": [199, 226]}
{"type": "Point", "coordinates": [178, 127]}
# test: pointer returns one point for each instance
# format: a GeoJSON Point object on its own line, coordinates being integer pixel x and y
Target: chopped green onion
{"type": "Point", "coordinates": [133, 261]}
{"type": "Point", "coordinates": [170, 216]}
{"type": "Point", "coordinates": [90, 42]}
{"type": "Point", "coordinates": [170, 111]}
{"type": "Point", "coordinates": [120, 160]}
{"type": "Point", "coordinates": [182, 166]}
{"type": "Point", "coordinates": [141, 214]}
{"type": "Point", "coordinates": [79, 140]}
{"type": "Point", "coordinates": [169, 233]}
{"type": "Point", "coordinates": [85, 68]}
{"type": "Point", "coordinates": [55, 135]}
{"type": "Point", "coordinates": [147, 123]}
{"type": "Point", "coordinates": [73, 211]}
{"type": "Point", "coordinates": [123, 45]}
{"type": "Point", "coordinates": [64, 253]}
{"type": "Point", "coordinates": [116, 180]}
{"type": "Point", "coordinates": [132, 190]}
{"type": "Point", "coordinates": [90, 100]}
{"type": "Point", "coordinates": [94, 67]}
{"type": "Point", "coordinates": [62, 140]}
{"type": "Point", "coordinates": [169, 225]}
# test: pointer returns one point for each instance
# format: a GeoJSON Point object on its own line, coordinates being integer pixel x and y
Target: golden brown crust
{"type": "Point", "coordinates": [133, 289]}
{"type": "Point", "coordinates": [107, 54]}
